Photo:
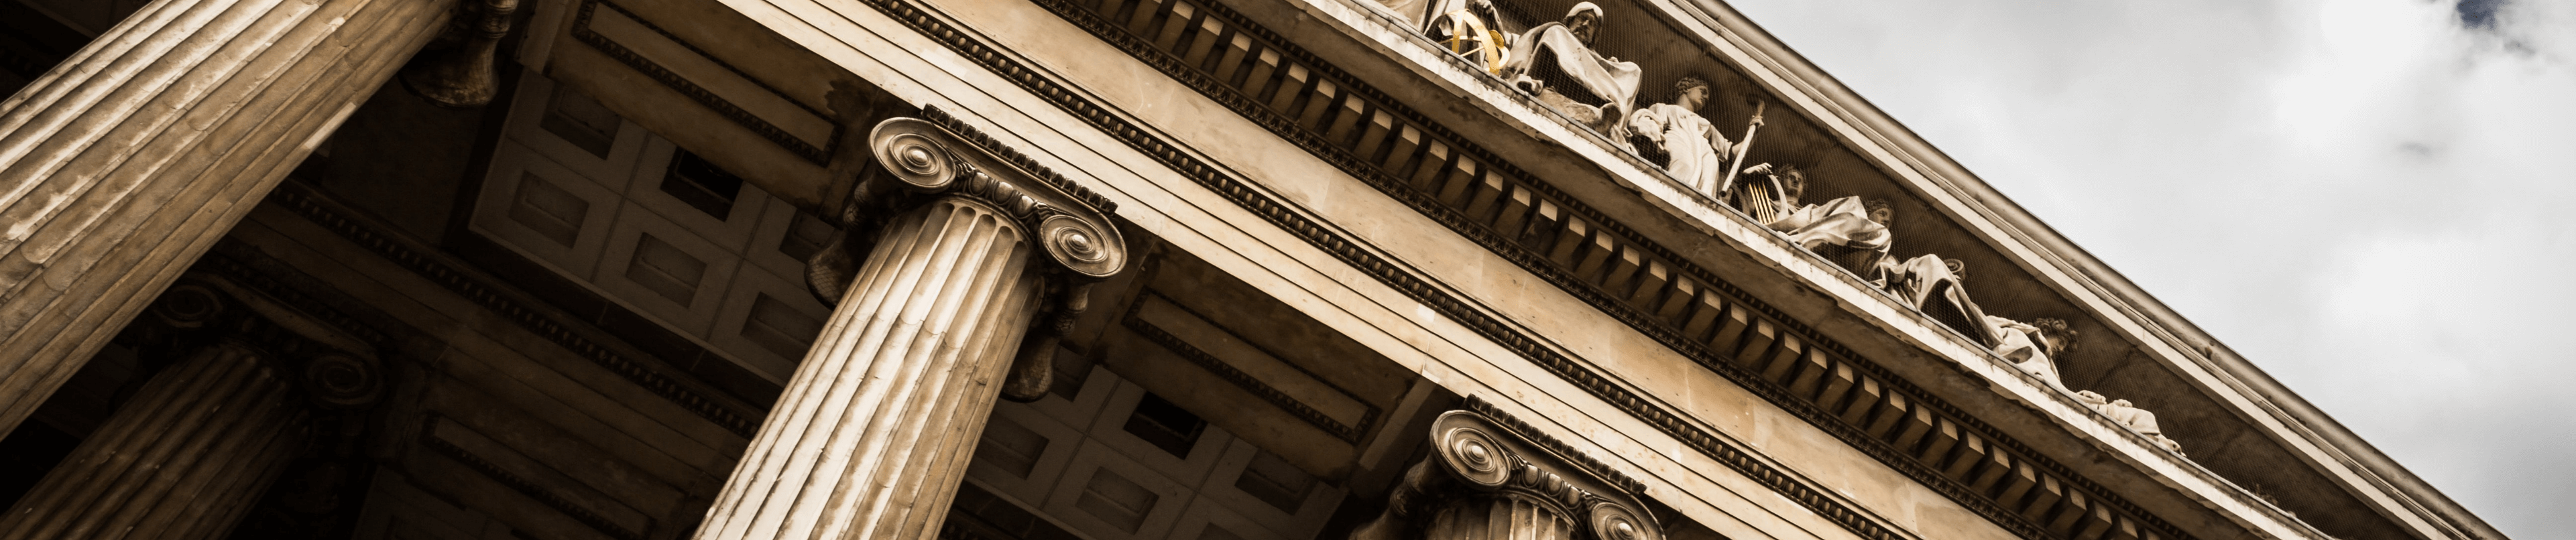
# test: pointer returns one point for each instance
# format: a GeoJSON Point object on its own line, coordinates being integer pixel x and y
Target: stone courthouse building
{"type": "Point", "coordinates": [1069, 269]}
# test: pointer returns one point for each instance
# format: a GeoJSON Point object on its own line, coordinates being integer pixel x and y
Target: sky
{"type": "Point", "coordinates": [2356, 195]}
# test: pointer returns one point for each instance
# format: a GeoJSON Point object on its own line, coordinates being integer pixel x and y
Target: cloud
{"type": "Point", "coordinates": [2363, 196]}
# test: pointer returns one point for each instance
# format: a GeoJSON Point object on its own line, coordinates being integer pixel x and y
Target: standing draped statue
{"type": "Point", "coordinates": [1556, 62]}
{"type": "Point", "coordinates": [1698, 150]}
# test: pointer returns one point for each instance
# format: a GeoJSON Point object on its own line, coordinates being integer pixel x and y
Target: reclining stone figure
{"type": "Point", "coordinates": [2136, 419]}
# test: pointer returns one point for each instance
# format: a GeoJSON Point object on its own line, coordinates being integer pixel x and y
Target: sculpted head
{"type": "Point", "coordinates": [1691, 92]}
{"type": "Point", "coordinates": [1584, 21]}
{"type": "Point", "coordinates": [2057, 338]}
{"type": "Point", "coordinates": [1880, 212]}
{"type": "Point", "coordinates": [1793, 182]}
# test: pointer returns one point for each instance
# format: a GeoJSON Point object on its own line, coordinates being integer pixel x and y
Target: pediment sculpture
{"type": "Point", "coordinates": [1694, 151]}
{"type": "Point", "coordinates": [1937, 287]}
{"type": "Point", "coordinates": [1556, 62]}
{"type": "Point", "coordinates": [2136, 419]}
{"type": "Point", "coordinates": [2033, 347]}
{"type": "Point", "coordinates": [1468, 28]}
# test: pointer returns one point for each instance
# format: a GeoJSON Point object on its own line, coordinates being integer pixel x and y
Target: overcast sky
{"type": "Point", "coordinates": [2366, 197]}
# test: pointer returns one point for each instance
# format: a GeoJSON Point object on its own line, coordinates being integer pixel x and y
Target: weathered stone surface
{"type": "Point", "coordinates": [184, 459]}
{"type": "Point", "coordinates": [873, 434]}
{"type": "Point", "coordinates": [128, 160]}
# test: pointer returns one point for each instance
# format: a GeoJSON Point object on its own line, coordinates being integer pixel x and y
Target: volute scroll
{"type": "Point", "coordinates": [1482, 467]}
{"type": "Point", "coordinates": [917, 160]}
{"type": "Point", "coordinates": [926, 159]}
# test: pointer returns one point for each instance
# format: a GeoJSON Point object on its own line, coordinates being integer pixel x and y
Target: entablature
{"type": "Point", "coordinates": [2228, 406]}
{"type": "Point", "coordinates": [1325, 107]}
{"type": "Point", "coordinates": [1350, 84]}
{"type": "Point", "coordinates": [1581, 248]}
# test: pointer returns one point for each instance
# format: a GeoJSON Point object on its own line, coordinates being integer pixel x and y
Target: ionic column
{"type": "Point", "coordinates": [123, 164]}
{"type": "Point", "coordinates": [190, 453]}
{"type": "Point", "coordinates": [872, 435]}
{"type": "Point", "coordinates": [1488, 478]}
{"type": "Point", "coordinates": [183, 459]}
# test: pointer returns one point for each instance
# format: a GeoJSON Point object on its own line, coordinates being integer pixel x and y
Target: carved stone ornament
{"type": "Point", "coordinates": [2129, 416]}
{"type": "Point", "coordinates": [459, 71]}
{"type": "Point", "coordinates": [1484, 480]}
{"type": "Point", "coordinates": [921, 160]}
{"type": "Point", "coordinates": [931, 161]}
{"type": "Point", "coordinates": [331, 369]}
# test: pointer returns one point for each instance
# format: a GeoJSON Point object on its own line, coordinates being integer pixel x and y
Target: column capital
{"type": "Point", "coordinates": [920, 157]}
{"type": "Point", "coordinates": [936, 156]}
{"type": "Point", "coordinates": [1483, 463]}
{"type": "Point", "coordinates": [331, 368]}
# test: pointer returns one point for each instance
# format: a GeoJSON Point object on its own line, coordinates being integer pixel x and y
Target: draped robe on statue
{"type": "Point", "coordinates": [1698, 151]}
{"type": "Point", "coordinates": [1839, 222]}
{"type": "Point", "coordinates": [2021, 344]}
{"type": "Point", "coordinates": [2139, 420]}
{"type": "Point", "coordinates": [1839, 230]}
{"type": "Point", "coordinates": [1604, 89]}
{"type": "Point", "coordinates": [1927, 283]}
{"type": "Point", "coordinates": [1419, 12]}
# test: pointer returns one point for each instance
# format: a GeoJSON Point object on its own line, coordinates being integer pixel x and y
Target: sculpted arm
{"type": "Point", "coordinates": [1717, 141]}
{"type": "Point", "coordinates": [1649, 123]}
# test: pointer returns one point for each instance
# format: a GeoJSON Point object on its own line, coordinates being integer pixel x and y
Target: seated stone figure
{"type": "Point", "coordinates": [1466, 27]}
{"type": "Point", "coordinates": [1848, 223]}
{"type": "Point", "coordinates": [1937, 287]}
{"type": "Point", "coordinates": [2136, 419]}
{"type": "Point", "coordinates": [1696, 152]}
{"type": "Point", "coordinates": [2034, 347]}
{"type": "Point", "coordinates": [1556, 62]}
{"type": "Point", "coordinates": [1766, 193]}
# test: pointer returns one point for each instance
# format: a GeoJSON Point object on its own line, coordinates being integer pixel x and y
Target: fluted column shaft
{"type": "Point", "coordinates": [185, 458]}
{"type": "Point", "coordinates": [123, 164]}
{"type": "Point", "coordinates": [872, 435]}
